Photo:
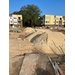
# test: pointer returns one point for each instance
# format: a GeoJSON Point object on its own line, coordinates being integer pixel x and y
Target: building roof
{"type": "Point", "coordinates": [55, 15]}
{"type": "Point", "coordinates": [63, 16]}
{"type": "Point", "coordinates": [10, 14]}
{"type": "Point", "coordinates": [14, 14]}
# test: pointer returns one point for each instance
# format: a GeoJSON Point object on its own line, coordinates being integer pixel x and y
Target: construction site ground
{"type": "Point", "coordinates": [33, 49]}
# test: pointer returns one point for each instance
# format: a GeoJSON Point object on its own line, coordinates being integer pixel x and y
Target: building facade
{"type": "Point", "coordinates": [15, 20]}
{"type": "Point", "coordinates": [51, 21]}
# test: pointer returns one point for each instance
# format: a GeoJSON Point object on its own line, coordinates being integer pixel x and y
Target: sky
{"type": "Point", "coordinates": [48, 7]}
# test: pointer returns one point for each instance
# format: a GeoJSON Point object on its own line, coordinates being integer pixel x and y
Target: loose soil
{"type": "Point", "coordinates": [54, 45]}
{"type": "Point", "coordinates": [16, 65]}
{"type": "Point", "coordinates": [36, 64]}
{"type": "Point", "coordinates": [61, 60]}
{"type": "Point", "coordinates": [63, 31]}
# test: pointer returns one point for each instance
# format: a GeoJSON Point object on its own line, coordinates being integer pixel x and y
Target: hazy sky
{"type": "Point", "coordinates": [48, 7]}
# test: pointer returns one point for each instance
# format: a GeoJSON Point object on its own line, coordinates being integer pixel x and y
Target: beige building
{"type": "Point", "coordinates": [15, 20]}
{"type": "Point", "coordinates": [51, 20]}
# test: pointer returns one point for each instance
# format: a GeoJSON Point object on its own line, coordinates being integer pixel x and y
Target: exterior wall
{"type": "Point", "coordinates": [19, 16]}
{"type": "Point", "coordinates": [10, 19]}
{"type": "Point", "coordinates": [57, 18]}
{"type": "Point", "coordinates": [50, 19]}
{"type": "Point", "coordinates": [21, 24]}
{"type": "Point", "coordinates": [63, 21]}
{"type": "Point", "coordinates": [15, 21]}
{"type": "Point", "coordinates": [44, 20]}
{"type": "Point", "coordinates": [54, 20]}
{"type": "Point", "coordinates": [17, 24]}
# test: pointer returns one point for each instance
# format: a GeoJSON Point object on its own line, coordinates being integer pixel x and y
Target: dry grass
{"type": "Point", "coordinates": [21, 28]}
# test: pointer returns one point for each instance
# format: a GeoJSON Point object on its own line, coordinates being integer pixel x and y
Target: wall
{"type": "Point", "coordinates": [59, 19]}
{"type": "Point", "coordinates": [10, 20]}
{"type": "Point", "coordinates": [43, 20]}
{"type": "Point", "coordinates": [63, 21]}
{"type": "Point", "coordinates": [14, 19]}
{"type": "Point", "coordinates": [19, 16]}
{"type": "Point", "coordinates": [51, 19]}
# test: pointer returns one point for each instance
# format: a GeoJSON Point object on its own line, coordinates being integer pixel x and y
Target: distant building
{"type": "Point", "coordinates": [15, 20]}
{"type": "Point", "coordinates": [51, 20]}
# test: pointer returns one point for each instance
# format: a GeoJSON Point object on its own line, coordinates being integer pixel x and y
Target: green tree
{"type": "Point", "coordinates": [30, 14]}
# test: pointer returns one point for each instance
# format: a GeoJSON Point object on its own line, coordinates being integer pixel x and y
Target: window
{"type": "Point", "coordinates": [47, 17]}
{"type": "Point", "coordinates": [57, 22]}
{"type": "Point", "coordinates": [47, 21]}
{"type": "Point", "coordinates": [60, 18]}
{"type": "Point", "coordinates": [10, 17]}
{"type": "Point", "coordinates": [15, 17]}
{"type": "Point", "coordinates": [15, 20]}
{"type": "Point", "coordinates": [18, 17]}
{"type": "Point", "coordinates": [57, 18]}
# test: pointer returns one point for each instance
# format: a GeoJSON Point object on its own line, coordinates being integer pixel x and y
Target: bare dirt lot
{"type": "Point", "coordinates": [59, 30]}
{"type": "Point", "coordinates": [43, 41]}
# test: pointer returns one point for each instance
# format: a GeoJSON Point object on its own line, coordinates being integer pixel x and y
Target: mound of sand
{"type": "Point", "coordinates": [33, 35]}
{"type": "Point", "coordinates": [49, 42]}
{"type": "Point", "coordinates": [42, 39]}
{"type": "Point", "coordinates": [29, 30]}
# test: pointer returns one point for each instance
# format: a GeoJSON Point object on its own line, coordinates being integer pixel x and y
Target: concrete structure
{"type": "Point", "coordinates": [51, 21]}
{"type": "Point", "coordinates": [15, 20]}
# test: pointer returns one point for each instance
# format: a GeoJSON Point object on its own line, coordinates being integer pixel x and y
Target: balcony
{"type": "Point", "coordinates": [41, 20]}
{"type": "Point", "coordinates": [19, 23]}
{"type": "Point", "coordinates": [15, 23]}
{"type": "Point", "coordinates": [11, 23]}
{"type": "Point", "coordinates": [19, 19]}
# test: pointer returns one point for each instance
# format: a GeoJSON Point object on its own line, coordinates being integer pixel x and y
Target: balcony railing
{"type": "Point", "coordinates": [19, 19]}
{"type": "Point", "coordinates": [19, 23]}
{"type": "Point", "coordinates": [41, 20]}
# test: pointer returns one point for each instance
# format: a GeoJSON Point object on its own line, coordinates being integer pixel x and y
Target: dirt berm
{"type": "Point", "coordinates": [48, 41]}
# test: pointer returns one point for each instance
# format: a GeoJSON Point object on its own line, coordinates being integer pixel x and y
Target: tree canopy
{"type": "Point", "coordinates": [30, 14]}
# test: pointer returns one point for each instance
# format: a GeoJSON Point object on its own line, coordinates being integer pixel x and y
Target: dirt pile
{"type": "Point", "coordinates": [29, 30]}
{"type": "Point", "coordinates": [40, 43]}
{"type": "Point", "coordinates": [36, 64]}
{"type": "Point", "coordinates": [32, 35]}
{"type": "Point", "coordinates": [22, 36]}
{"type": "Point", "coordinates": [39, 40]}
{"type": "Point", "coordinates": [48, 42]}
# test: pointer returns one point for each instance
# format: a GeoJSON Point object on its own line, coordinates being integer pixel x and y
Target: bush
{"type": "Point", "coordinates": [63, 59]}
